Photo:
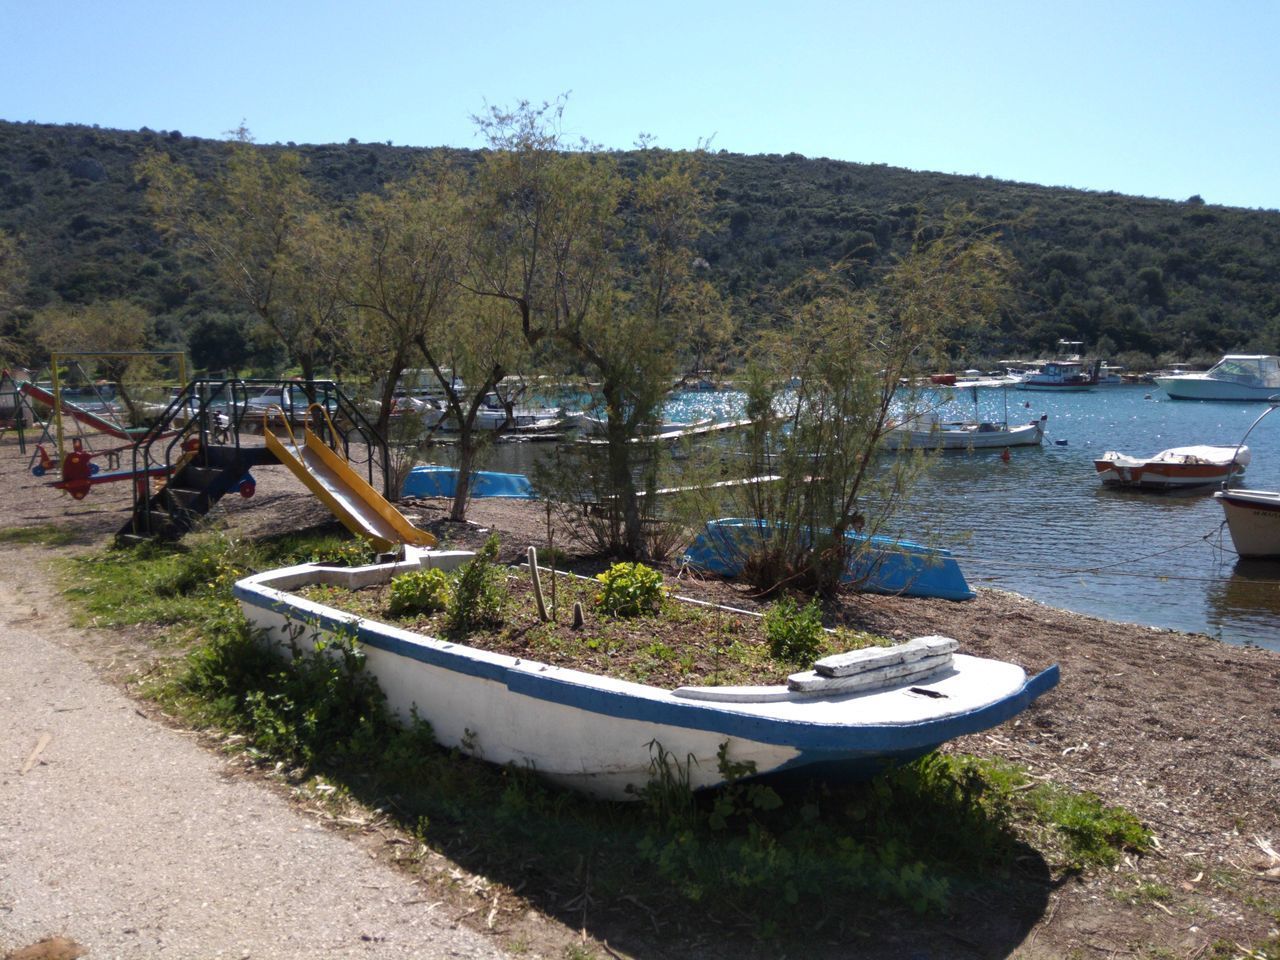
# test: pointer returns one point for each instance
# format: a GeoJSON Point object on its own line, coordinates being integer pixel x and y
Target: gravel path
{"type": "Point", "coordinates": [134, 841]}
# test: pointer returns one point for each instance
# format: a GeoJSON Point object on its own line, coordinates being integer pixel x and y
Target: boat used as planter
{"type": "Point", "coordinates": [850, 717]}
{"type": "Point", "coordinates": [1178, 468]}
{"type": "Point", "coordinates": [879, 564]}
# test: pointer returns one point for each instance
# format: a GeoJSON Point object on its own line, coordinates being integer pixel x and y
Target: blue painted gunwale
{"type": "Point", "coordinates": [816, 742]}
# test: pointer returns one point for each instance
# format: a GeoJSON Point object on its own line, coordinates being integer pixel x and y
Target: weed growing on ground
{"type": "Point", "coordinates": [794, 632]}
{"type": "Point", "coordinates": [478, 596]}
{"type": "Point", "coordinates": [46, 534]}
{"type": "Point", "coordinates": [630, 590]}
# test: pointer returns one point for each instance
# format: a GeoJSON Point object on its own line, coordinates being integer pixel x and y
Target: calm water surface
{"type": "Point", "coordinates": [1041, 524]}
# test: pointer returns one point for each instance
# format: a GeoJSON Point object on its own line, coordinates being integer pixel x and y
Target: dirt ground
{"type": "Point", "coordinates": [1180, 729]}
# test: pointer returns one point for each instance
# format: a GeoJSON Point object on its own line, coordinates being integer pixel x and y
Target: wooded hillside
{"type": "Point", "coordinates": [1126, 275]}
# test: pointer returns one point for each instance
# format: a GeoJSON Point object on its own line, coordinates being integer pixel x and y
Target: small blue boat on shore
{"type": "Point", "coordinates": [879, 565]}
{"type": "Point", "coordinates": [436, 481]}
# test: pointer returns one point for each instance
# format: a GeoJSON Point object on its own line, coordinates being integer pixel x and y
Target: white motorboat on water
{"type": "Point", "coordinates": [1178, 468]}
{"type": "Point", "coordinates": [1253, 520]}
{"type": "Point", "coordinates": [493, 415]}
{"type": "Point", "coordinates": [1237, 376]}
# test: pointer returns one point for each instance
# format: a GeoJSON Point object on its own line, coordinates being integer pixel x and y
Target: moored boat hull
{"type": "Point", "coordinates": [966, 435]}
{"type": "Point", "coordinates": [437, 481]}
{"type": "Point", "coordinates": [1253, 520]}
{"type": "Point", "coordinates": [1178, 468]}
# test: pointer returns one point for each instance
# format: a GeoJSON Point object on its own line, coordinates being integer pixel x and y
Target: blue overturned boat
{"type": "Point", "coordinates": [878, 564]}
{"type": "Point", "coordinates": [435, 481]}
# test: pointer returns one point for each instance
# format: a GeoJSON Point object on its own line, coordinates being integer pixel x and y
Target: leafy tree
{"type": "Point", "coordinates": [849, 351]}
{"type": "Point", "coordinates": [597, 265]}
{"type": "Point", "coordinates": [400, 254]}
{"type": "Point", "coordinates": [707, 326]}
{"type": "Point", "coordinates": [544, 220]}
{"type": "Point", "coordinates": [406, 250]}
{"type": "Point", "coordinates": [12, 277]}
{"type": "Point", "coordinates": [114, 329]}
{"type": "Point", "coordinates": [258, 224]}
{"type": "Point", "coordinates": [631, 338]}
{"type": "Point", "coordinates": [221, 341]}
{"type": "Point", "coordinates": [470, 354]}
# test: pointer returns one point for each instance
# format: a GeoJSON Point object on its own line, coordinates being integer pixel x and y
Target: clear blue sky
{"type": "Point", "coordinates": [1160, 99]}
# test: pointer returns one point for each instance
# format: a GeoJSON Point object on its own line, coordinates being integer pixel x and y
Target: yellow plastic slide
{"type": "Point", "coordinates": [360, 507]}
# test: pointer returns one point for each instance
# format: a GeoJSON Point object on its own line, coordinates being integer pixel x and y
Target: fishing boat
{"type": "Point", "coordinates": [849, 717]}
{"type": "Point", "coordinates": [1253, 520]}
{"type": "Point", "coordinates": [877, 564]}
{"type": "Point", "coordinates": [1111, 375]}
{"type": "Point", "coordinates": [492, 414]}
{"type": "Point", "coordinates": [1237, 376]}
{"type": "Point", "coordinates": [1061, 375]}
{"type": "Point", "coordinates": [1178, 468]}
{"type": "Point", "coordinates": [930, 432]}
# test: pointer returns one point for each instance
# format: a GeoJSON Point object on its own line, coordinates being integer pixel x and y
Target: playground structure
{"type": "Point", "coordinates": [362, 510]}
{"type": "Point", "coordinates": [204, 444]}
{"type": "Point", "coordinates": [24, 400]}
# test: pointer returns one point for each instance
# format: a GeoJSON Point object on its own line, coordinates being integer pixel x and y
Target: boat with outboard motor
{"type": "Point", "coordinates": [1178, 468]}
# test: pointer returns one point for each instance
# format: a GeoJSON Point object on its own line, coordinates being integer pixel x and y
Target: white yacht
{"type": "Point", "coordinates": [1237, 376]}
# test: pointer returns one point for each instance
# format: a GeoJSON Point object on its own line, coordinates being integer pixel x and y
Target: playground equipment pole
{"type": "Point", "coordinates": [93, 355]}
{"type": "Point", "coordinates": [57, 405]}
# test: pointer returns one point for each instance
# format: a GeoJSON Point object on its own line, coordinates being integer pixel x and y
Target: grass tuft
{"type": "Point", "coordinates": [46, 534]}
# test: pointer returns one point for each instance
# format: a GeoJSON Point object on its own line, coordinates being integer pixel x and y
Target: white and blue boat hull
{"type": "Point", "coordinates": [598, 734]}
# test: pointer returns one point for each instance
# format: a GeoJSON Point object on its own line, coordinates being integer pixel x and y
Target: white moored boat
{"type": "Point", "coordinates": [1061, 375]}
{"type": "Point", "coordinates": [929, 432]}
{"type": "Point", "coordinates": [1178, 468]}
{"type": "Point", "coordinates": [1253, 516]}
{"type": "Point", "coordinates": [1253, 519]}
{"type": "Point", "coordinates": [1237, 376]}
